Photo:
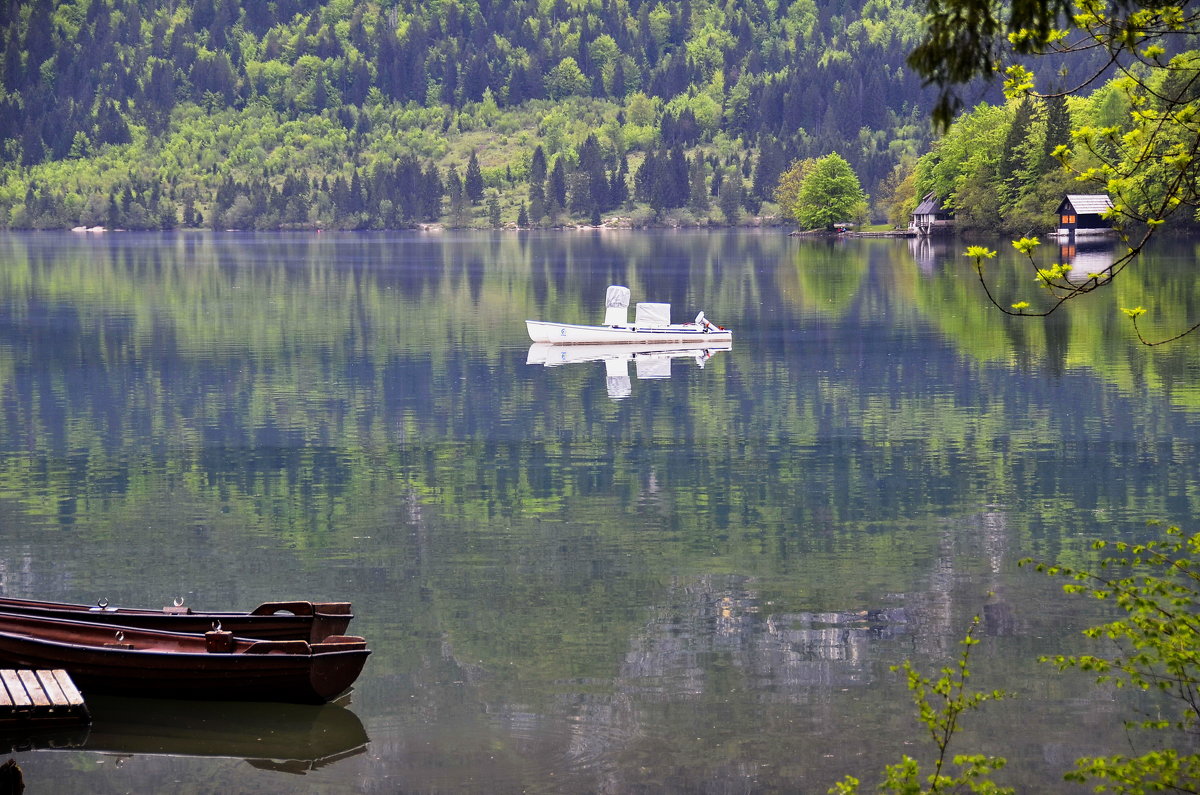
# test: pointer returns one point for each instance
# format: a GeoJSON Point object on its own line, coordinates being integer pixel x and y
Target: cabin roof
{"type": "Point", "coordinates": [1089, 203]}
{"type": "Point", "coordinates": [930, 203]}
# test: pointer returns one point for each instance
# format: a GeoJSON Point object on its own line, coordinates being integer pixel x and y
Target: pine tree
{"type": "Point", "coordinates": [618, 80]}
{"type": "Point", "coordinates": [431, 194]}
{"type": "Point", "coordinates": [458, 200]}
{"type": "Point", "coordinates": [730, 199]}
{"type": "Point", "coordinates": [189, 212]}
{"type": "Point", "coordinates": [537, 204]}
{"type": "Point", "coordinates": [618, 186]}
{"type": "Point", "coordinates": [698, 196]}
{"type": "Point", "coordinates": [538, 166]}
{"type": "Point", "coordinates": [768, 166]}
{"type": "Point", "coordinates": [644, 177]}
{"type": "Point", "coordinates": [537, 185]}
{"type": "Point", "coordinates": [473, 181]}
{"type": "Point", "coordinates": [558, 184]}
{"type": "Point", "coordinates": [114, 212]}
{"type": "Point", "coordinates": [1010, 155]}
{"type": "Point", "coordinates": [1058, 128]}
{"type": "Point", "coordinates": [675, 177]}
{"type": "Point", "coordinates": [493, 211]}
{"type": "Point", "coordinates": [320, 91]}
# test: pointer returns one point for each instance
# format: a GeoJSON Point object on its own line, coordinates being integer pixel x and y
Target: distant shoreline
{"type": "Point", "coordinates": [437, 228]}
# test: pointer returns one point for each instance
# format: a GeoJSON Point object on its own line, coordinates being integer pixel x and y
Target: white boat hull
{"type": "Point", "coordinates": [570, 334]}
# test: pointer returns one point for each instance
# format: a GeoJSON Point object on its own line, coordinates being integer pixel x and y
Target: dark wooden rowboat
{"type": "Point", "coordinates": [213, 666]}
{"type": "Point", "coordinates": [299, 620]}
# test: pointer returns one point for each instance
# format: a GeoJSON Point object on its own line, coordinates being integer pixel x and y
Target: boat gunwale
{"type": "Point", "coordinates": [278, 620]}
{"type": "Point", "coordinates": [132, 633]}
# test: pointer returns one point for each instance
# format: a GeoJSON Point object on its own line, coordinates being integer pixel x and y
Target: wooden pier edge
{"type": "Point", "coordinates": [35, 699]}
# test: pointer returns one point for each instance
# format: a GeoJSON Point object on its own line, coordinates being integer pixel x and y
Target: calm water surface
{"type": "Point", "coordinates": [673, 574]}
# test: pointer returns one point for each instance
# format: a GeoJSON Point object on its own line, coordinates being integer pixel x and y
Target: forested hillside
{"type": "Point", "coordinates": [342, 114]}
{"type": "Point", "coordinates": [996, 166]}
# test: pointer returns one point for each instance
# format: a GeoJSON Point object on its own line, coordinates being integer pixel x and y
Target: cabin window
{"type": "Point", "coordinates": [1068, 219]}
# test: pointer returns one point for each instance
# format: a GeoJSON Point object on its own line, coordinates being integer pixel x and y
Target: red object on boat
{"type": "Point", "coordinates": [298, 620]}
{"type": "Point", "coordinates": [142, 662]}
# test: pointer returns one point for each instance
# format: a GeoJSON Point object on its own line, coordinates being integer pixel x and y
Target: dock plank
{"type": "Point", "coordinates": [74, 697]}
{"type": "Point", "coordinates": [15, 689]}
{"type": "Point", "coordinates": [50, 684]}
{"type": "Point", "coordinates": [34, 688]}
{"type": "Point", "coordinates": [5, 698]}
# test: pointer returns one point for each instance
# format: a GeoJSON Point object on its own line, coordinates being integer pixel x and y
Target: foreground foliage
{"type": "Point", "coordinates": [1156, 648]}
{"type": "Point", "coordinates": [940, 705]}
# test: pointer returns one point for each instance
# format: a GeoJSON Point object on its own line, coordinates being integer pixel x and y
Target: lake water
{"type": "Point", "coordinates": [573, 578]}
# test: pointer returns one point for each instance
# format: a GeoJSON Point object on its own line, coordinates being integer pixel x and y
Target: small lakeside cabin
{"type": "Point", "coordinates": [1082, 215]}
{"type": "Point", "coordinates": [931, 217]}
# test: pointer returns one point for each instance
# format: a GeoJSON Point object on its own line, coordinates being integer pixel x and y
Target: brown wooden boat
{"type": "Point", "coordinates": [299, 620]}
{"type": "Point", "coordinates": [215, 665]}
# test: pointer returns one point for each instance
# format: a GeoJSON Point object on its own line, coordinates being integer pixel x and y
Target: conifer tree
{"type": "Point", "coordinates": [458, 199]}
{"type": "Point", "coordinates": [698, 195]}
{"type": "Point", "coordinates": [645, 176]}
{"type": "Point", "coordinates": [473, 181]}
{"type": "Point", "coordinates": [493, 211]}
{"type": "Point", "coordinates": [618, 186]}
{"type": "Point", "coordinates": [537, 204]}
{"type": "Point", "coordinates": [618, 80]}
{"type": "Point", "coordinates": [730, 199]}
{"type": "Point", "coordinates": [537, 186]}
{"type": "Point", "coordinates": [1018, 133]}
{"type": "Point", "coordinates": [431, 194]}
{"type": "Point", "coordinates": [1058, 128]}
{"type": "Point", "coordinates": [557, 188]}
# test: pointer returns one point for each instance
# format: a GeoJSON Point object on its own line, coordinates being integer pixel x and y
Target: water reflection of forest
{"type": "Point", "coordinates": [355, 417]}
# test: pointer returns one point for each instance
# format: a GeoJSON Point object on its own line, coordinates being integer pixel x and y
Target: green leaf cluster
{"type": "Point", "coordinates": [1155, 645]}
{"type": "Point", "coordinates": [940, 705]}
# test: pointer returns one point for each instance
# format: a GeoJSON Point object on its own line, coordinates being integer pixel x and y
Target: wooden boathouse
{"type": "Point", "coordinates": [932, 217]}
{"type": "Point", "coordinates": [1083, 215]}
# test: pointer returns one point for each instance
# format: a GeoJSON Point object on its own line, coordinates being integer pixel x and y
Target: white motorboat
{"type": "Point", "coordinates": [651, 324]}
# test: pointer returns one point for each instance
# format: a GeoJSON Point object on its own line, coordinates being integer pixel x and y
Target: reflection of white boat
{"type": "Point", "coordinates": [652, 324]}
{"type": "Point", "coordinates": [550, 355]}
{"type": "Point", "coordinates": [649, 361]}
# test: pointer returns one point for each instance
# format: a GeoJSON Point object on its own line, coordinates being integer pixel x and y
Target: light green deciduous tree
{"type": "Point", "coordinates": [829, 194]}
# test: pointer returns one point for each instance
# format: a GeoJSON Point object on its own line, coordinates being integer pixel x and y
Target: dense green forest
{"type": "Point", "coordinates": [996, 164]}
{"type": "Point", "coordinates": [340, 114]}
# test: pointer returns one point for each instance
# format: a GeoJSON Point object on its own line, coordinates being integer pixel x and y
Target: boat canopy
{"type": "Point", "coordinates": [652, 315]}
{"type": "Point", "coordinates": [616, 305]}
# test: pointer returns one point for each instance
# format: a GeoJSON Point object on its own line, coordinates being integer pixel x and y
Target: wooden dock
{"type": "Point", "coordinates": [39, 699]}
